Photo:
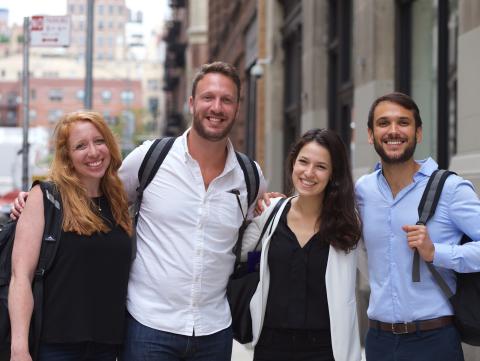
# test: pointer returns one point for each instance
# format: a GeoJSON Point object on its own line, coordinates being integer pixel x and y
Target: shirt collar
{"type": "Point", "coordinates": [231, 159]}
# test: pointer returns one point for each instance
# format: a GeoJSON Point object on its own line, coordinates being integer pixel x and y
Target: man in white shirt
{"type": "Point", "coordinates": [187, 226]}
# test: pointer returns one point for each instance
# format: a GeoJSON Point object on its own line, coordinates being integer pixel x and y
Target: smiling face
{"type": "Point", "coordinates": [214, 106]}
{"type": "Point", "coordinates": [312, 170]}
{"type": "Point", "coordinates": [394, 135]}
{"type": "Point", "coordinates": [88, 152]}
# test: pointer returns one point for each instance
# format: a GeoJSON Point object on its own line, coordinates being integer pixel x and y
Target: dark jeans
{"type": "Point", "coordinates": [143, 343]}
{"type": "Point", "coordinates": [442, 344]}
{"type": "Point", "coordinates": [79, 351]}
{"type": "Point", "coordinates": [293, 345]}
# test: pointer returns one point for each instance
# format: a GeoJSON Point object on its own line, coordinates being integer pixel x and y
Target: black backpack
{"type": "Point", "coordinates": [50, 240]}
{"type": "Point", "coordinates": [466, 300]}
{"type": "Point", "coordinates": [154, 159]}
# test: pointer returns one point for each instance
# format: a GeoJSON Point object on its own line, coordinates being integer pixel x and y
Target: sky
{"type": "Point", "coordinates": [154, 11]}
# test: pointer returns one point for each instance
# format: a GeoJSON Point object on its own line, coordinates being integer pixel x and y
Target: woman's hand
{"type": "Point", "coordinates": [18, 205]}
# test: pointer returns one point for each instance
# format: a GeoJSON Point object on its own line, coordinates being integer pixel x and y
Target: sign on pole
{"type": "Point", "coordinates": [50, 30]}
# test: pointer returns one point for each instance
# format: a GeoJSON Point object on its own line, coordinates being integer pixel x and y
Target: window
{"type": "Point", "coordinates": [54, 115]}
{"type": "Point", "coordinates": [106, 96]}
{"type": "Point", "coordinates": [12, 99]}
{"type": "Point", "coordinates": [100, 25]}
{"type": "Point", "coordinates": [426, 68]}
{"type": "Point", "coordinates": [108, 117]}
{"type": "Point", "coordinates": [33, 114]}
{"type": "Point", "coordinates": [80, 94]}
{"type": "Point", "coordinates": [33, 94]}
{"type": "Point", "coordinates": [153, 84]}
{"type": "Point", "coordinates": [127, 96]}
{"type": "Point", "coordinates": [72, 8]}
{"type": "Point", "coordinates": [11, 118]}
{"type": "Point", "coordinates": [292, 43]}
{"type": "Point", "coordinates": [55, 95]}
{"type": "Point", "coordinates": [340, 82]}
{"type": "Point", "coordinates": [100, 9]}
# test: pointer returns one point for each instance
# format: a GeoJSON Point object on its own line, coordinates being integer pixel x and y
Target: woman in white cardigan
{"type": "Point", "coordinates": [304, 307]}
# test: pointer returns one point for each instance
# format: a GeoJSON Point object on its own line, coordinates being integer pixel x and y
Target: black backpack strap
{"type": "Point", "coordinates": [50, 241]}
{"type": "Point", "coordinates": [149, 167]}
{"type": "Point", "coordinates": [252, 178]}
{"type": "Point", "coordinates": [426, 209]}
{"type": "Point", "coordinates": [268, 222]}
{"type": "Point", "coordinates": [151, 163]}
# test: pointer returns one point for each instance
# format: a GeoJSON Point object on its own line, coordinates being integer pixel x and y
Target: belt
{"type": "Point", "coordinates": [411, 327]}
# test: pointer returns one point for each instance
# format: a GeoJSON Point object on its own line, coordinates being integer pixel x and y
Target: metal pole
{"type": "Point", "coordinates": [26, 101]}
{"type": "Point", "coordinates": [89, 56]}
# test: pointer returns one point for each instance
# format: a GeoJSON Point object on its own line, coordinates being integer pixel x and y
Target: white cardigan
{"type": "Point", "coordinates": [340, 280]}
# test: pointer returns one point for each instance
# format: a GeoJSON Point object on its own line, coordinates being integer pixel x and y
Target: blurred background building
{"type": "Point", "coordinates": [127, 71]}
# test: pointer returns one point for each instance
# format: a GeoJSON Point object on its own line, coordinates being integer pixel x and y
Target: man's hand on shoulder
{"type": "Point", "coordinates": [418, 237]}
{"type": "Point", "coordinates": [264, 201]}
{"type": "Point", "coordinates": [18, 205]}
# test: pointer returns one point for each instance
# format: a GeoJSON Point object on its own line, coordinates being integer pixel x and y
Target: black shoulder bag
{"type": "Point", "coordinates": [243, 282]}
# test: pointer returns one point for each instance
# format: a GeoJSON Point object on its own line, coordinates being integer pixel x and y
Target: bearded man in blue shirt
{"type": "Point", "coordinates": [407, 320]}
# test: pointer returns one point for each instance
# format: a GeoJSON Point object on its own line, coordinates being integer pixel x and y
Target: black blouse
{"type": "Point", "coordinates": [297, 297]}
{"type": "Point", "coordinates": [85, 291]}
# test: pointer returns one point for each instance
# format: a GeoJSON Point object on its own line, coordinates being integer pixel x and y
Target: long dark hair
{"type": "Point", "coordinates": [340, 224]}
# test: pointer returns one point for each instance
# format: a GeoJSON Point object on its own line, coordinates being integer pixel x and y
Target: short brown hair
{"type": "Point", "coordinates": [217, 67]}
{"type": "Point", "coordinates": [401, 99]}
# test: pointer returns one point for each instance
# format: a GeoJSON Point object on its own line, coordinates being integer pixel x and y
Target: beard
{"type": "Point", "coordinates": [213, 136]}
{"type": "Point", "coordinates": [401, 158]}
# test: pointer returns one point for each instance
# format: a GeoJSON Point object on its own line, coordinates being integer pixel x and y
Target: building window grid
{"type": "Point", "coordinates": [340, 82]}
{"type": "Point", "coordinates": [444, 81]}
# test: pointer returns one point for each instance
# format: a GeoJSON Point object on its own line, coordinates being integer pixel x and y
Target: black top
{"type": "Point", "coordinates": [297, 297]}
{"type": "Point", "coordinates": [86, 288]}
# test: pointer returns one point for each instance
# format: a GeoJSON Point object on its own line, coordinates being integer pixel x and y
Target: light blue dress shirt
{"type": "Point", "coordinates": [394, 297]}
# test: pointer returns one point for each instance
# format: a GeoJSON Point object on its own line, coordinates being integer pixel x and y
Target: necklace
{"type": "Point", "coordinates": [96, 203]}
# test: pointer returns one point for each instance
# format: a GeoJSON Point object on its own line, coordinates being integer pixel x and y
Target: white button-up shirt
{"type": "Point", "coordinates": [185, 236]}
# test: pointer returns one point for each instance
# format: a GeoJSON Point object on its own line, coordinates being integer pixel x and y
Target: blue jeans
{"type": "Point", "coordinates": [78, 351]}
{"type": "Point", "coordinates": [442, 344]}
{"type": "Point", "coordinates": [143, 343]}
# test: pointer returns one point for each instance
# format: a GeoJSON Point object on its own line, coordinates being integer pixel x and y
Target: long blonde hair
{"type": "Point", "coordinates": [78, 215]}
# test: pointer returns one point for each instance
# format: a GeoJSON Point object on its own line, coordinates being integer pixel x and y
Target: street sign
{"type": "Point", "coordinates": [50, 30]}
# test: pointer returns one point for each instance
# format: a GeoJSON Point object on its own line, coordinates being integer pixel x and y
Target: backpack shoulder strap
{"type": "Point", "coordinates": [431, 195]}
{"type": "Point", "coordinates": [153, 160]}
{"type": "Point", "coordinates": [252, 178]}
{"type": "Point", "coordinates": [53, 214]}
{"type": "Point", "coordinates": [426, 209]}
{"type": "Point", "coordinates": [53, 226]}
{"type": "Point", "coordinates": [151, 163]}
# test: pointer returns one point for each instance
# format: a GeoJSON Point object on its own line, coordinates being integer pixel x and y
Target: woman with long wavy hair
{"type": "Point", "coordinates": [85, 290]}
{"type": "Point", "coordinates": [304, 307]}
